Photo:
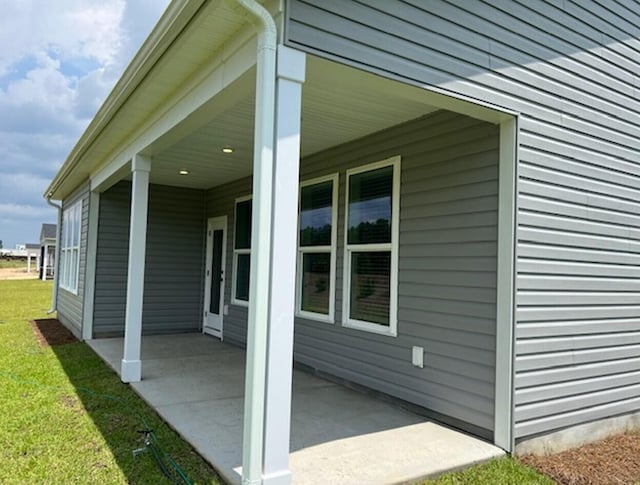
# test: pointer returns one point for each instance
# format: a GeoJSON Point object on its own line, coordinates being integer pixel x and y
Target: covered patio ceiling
{"type": "Point", "coordinates": [339, 104]}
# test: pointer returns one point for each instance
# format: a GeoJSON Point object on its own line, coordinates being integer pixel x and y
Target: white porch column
{"type": "Point", "coordinates": [290, 76]}
{"type": "Point", "coordinates": [45, 262]}
{"type": "Point", "coordinates": [131, 370]}
{"type": "Point", "coordinates": [90, 268]}
{"type": "Point", "coordinates": [28, 262]}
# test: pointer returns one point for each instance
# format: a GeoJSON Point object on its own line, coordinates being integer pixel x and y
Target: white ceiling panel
{"type": "Point", "coordinates": [340, 104]}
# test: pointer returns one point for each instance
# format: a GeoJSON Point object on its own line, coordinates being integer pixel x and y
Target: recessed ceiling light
{"type": "Point", "coordinates": [184, 172]}
{"type": "Point", "coordinates": [227, 149]}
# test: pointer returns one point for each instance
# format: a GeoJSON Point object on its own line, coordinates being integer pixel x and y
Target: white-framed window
{"type": "Point", "coordinates": [241, 251]}
{"type": "Point", "coordinates": [317, 240]}
{"type": "Point", "coordinates": [372, 221]}
{"type": "Point", "coordinates": [70, 247]}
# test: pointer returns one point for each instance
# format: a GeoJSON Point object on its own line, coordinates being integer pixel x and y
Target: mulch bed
{"type": "Point", "coordinates": [49, 331]}
{"type": "Point", "coordinates": [611, 461]}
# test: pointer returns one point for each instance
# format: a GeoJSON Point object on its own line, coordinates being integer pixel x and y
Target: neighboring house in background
{"type": "Point", "coordinates": [468, 205]}
{"type": "Point", "coordinates": [33, 251]}
{"type": "Point", "coordinates": [47, 247]}
{"type": "Point", "coordinates": [21, 251]}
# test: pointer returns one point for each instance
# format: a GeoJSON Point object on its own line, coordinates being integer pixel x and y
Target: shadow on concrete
{"type": "Point", "coordinates": [119, 414]}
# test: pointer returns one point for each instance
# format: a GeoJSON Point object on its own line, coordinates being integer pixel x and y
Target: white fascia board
{"type": "Point", "coordinates": [177, 117]}
{"type": "Point", "coordinates": [177, 15]}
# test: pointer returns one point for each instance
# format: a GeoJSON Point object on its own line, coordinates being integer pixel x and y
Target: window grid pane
{"type": "Point", "coordinates": [316, 214]}
{"type": "Point", "coordinates": [73, 283]}
{"type": "Point", "coordinates": [76, 226]}
{"type": "Point", "coordinates": [316, 280]}
{"type": "Point", "coordinates": [370, 286]}
{"type": "Point", "coordinates": [243, 267]}
{"type": "Point", "coordinates": [370, 206]}
{"type": "Point", "coordinates": [70, 246]}
{"type": "Point", "coordinates": [243, 225]}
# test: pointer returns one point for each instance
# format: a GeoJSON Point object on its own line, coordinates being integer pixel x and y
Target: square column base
{"type": "Point", "coordinates": [131, 370]}
{"type": "Point", "coordinates": [279, 478]}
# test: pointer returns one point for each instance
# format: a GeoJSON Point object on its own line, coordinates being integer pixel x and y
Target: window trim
{"type": "Point", "coordinates": [67, 281]}
{"type": "Point", "coordinates": [392, 247]}
{"type": "Point", "coordinates": [236, 252]}
{"type": "Point", "coordinates": [332, 249]}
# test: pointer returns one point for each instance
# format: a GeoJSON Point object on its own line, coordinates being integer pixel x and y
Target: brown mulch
{"type": "Point", "coordinates": [611, 461]}
{"type": "Point", "coordinates": [49, 331]}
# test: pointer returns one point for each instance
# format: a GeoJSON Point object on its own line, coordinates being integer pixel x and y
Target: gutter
{"type": "Point", "coordinates": [259, 297]}
{"type": "Point", "coordinates": [56, 272]}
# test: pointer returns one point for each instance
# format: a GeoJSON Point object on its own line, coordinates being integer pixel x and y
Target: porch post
{"type": "Point", "coordinates": [290, 76]}
{"type": "Point", "coordinates": [90, 266]}
{"type": "Point", "coordinates": [45, 262]}
{"type": "Point", "coordinates": [131, 370]}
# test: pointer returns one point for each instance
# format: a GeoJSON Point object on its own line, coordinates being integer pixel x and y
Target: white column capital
{"type": "Point", "coordinates": [291, 64]}
{"type": "Point", "coordinates": [141, 163]}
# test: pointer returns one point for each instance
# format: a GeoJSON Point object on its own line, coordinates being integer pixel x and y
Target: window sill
{"type": "Point", "coordinates": [68, 290]}
{"type": "Point", "coordinates": [241, 303]}
{"type": "Point", "coordinates": [316, 317]}
{"type": "Point", "coordinates": [389, 331]}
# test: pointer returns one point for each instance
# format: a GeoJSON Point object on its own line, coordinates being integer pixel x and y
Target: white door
{"type": "Point", "coordinates": [214, 276]}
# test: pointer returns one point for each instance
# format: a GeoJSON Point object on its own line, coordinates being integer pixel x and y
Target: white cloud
{"type": "Point", "coordinates": [8, 213]}
{"type": "Point", "coordinates": [63, 29]}
{"type": "Point", "coordinates": [58, 61]}
{"type": "Point", "coordinates": [22, 188]}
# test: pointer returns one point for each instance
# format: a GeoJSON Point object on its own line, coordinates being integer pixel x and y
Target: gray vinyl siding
{"type": "Point", "coordinates": [447, 270]}
{"type": "Point", "coordinates": [69, 305]}
{"type": "Point", "coordinates": [571, 70]}
{"type": "Point", "coordinates": [111, 260]}
{"type": "Point", "coordinates": [173, 266]}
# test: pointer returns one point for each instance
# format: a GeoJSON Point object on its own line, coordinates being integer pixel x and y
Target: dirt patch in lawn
{"type": "Point", "coordinates": [49, 331]}
{"type": "Point", "coordinates": [18, 273]}
{"type": "Point", "coordinates": [612, 461]}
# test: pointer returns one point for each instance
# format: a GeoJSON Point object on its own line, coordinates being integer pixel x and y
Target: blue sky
{"type": "Point", "coordinates": [58, 62]}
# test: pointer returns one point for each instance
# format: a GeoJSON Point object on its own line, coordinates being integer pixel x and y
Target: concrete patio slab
{"type": "Point", "coordinates": [338, 435]}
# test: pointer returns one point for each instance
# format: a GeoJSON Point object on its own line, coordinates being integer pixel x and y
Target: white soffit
{"type": "Point", "coordinates": [340, 104]}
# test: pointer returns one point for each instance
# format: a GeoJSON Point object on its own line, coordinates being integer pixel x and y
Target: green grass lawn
{"type": "Point", "coordinates": [65, 417]}
{"type": "Point", "coordinates": [503, 471]}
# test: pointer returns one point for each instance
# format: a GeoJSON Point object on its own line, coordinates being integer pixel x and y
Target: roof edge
{"type": "Point", "coordinates": [172, 22]}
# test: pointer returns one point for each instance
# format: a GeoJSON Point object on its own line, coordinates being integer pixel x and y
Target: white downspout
{"type": "Point", "coordinates": [54, 293]}
{"type": "Point", "coordinates": [259, 297]}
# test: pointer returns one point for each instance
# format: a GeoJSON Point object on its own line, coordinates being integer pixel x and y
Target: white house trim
{"type": "Point", "coordinates": [192, 105]}
{"type": "Point", "coordinates": [392, 247]}
{"type": "Point", "coordinates": [505, 289]}
{"type": "Point", "coordinates": [236, 252]}
{"type": "Point", "coordinates": [279, 357]}
{"type": "Point", "coordinates": [332, 248]}
{"type": "Point", "coordinates": [131, 370]}
{"type": "Point", "coordinates": [70, 242]}
{"type": "Point", "coordinates": [170, 25]}
{"type": "Point", "coordinates": [90, 266]}
{"type": "Point", "coordinates": [261, 244]}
